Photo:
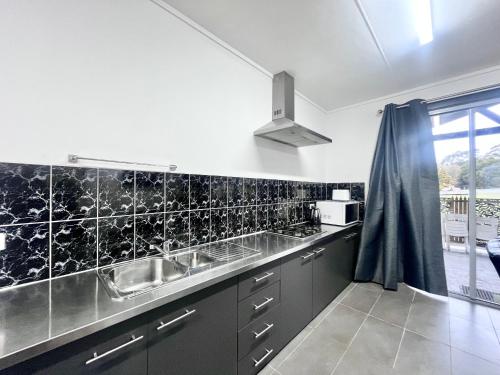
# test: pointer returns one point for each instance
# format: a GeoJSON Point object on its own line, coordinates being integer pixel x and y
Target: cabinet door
{"type": "Point", "coordinates": [333, 269]}
{"type": "Point", "coordinates": [196, 335]}
{"type": "Point", "coordinates": [328, 280]}
{"type": "Point", "coordinates": [296, 294]}
{"type": "Point", "coordinates": [121, 349]}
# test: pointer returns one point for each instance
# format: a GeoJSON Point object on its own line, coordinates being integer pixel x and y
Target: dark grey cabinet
{"type": "Point", "coordinates": [296, 294]}
{"type": "Point", "coordinates": [196, 335]}
{"type": "Point", "coordinates": [121, 349]}
{"type": "Point", "coordinates": [333, 270]}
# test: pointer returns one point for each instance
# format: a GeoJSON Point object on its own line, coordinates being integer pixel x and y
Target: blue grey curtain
{"type": "Point", "coordinates": [401, 237]}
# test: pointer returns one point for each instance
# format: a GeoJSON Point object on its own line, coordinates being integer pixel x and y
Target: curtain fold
{"type": "Point", "coordinates": [401, 237]}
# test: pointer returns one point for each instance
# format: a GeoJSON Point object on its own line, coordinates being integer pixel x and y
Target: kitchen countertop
{"type": "Point", "coordinates": [42, 316]}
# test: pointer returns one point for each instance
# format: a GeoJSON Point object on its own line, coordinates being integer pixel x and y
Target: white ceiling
{"type": "Point", "coordinates": [327, 46]}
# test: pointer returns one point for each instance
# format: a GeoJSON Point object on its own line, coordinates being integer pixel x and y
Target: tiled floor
{"type": "Point", "coordinates": [367, 330]}
{"type": "Point", "coordinates": [457, 272]}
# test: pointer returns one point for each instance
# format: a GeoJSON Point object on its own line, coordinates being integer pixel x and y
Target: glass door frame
{"type": "Point", "coordinates": [471, 133]}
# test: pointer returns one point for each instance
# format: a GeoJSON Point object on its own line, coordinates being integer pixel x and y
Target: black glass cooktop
{"type": "Point", "coordinates": [301, 231]}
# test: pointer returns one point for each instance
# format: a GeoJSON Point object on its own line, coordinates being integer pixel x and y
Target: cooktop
{"type": "Point", "coordinates": [301, 231]}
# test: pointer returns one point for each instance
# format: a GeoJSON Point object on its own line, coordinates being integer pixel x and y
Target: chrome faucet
{"type": "Point", "coordinates": [165, 249]}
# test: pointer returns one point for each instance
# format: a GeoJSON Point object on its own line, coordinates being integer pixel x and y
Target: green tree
{"type": "Point", "coordinates": [445, 180]}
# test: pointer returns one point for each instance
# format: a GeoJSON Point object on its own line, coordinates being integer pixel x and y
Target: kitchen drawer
{"type": "Point", "coordinates": [255, 280]}
{"type": "Point", "coordinates": [258, 304]}
{"type": "Point", "coordinates": [120, 349]}
{"type": "Point", "coordinates": [258, 358]}
{"type": "Point", "coordinates": [253, 335]}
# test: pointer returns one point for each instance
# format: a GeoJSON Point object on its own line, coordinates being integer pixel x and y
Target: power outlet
{"type": "Point", "coordinates": [3, 241]}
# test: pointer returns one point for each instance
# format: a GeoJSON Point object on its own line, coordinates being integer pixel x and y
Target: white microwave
{"type": "Point", "coordinates": [338, 212]}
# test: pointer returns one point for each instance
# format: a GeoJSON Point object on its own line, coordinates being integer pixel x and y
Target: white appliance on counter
{"type": "Point", "coordinates": [338, 212]}
{"type": "Point", "coordinates": [341, 195]}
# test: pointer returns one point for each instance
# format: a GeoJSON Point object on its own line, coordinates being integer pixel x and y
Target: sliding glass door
{"type": "Point", "coordinates": [467, 145]}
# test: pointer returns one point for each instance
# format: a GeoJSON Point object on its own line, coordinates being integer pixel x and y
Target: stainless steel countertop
{"type": "Point", "coordinates": [39, 317]}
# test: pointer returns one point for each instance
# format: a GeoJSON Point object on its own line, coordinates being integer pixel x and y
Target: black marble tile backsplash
{"type": "Point", "coordinates": [149, 192]}
{"type": "Point", "coordinates": [177, 230]}
{"type": "Point", "coordinates": [24, 193]}
{"type": "Point", "coordinates": [58, 220]}
{"type": "Point", "coordinates": [116, 192]}
{"type": "Point", "coordinates": [199, 191]}
{"type": "Point", "coordinates": [26, 254]}
{"type": "Point", "coordinates": [149, 234]}
{"type": "Point", "coordinates": [74, 246]}
{"type": "Point", "coordinates": [235, 191]}
{"type": "Point", "coordinates": [218, 191]}
{"type": "Point", "coordinates": [199, 227]}
{"type": "Point", "coordinates": [176, 192]}
{"type": "Point", "coordinates": [116, 239]}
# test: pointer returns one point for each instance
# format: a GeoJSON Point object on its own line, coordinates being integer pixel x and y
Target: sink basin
{"type": "Point", "coordinates": [193, 259]}
{"type": "Point", "coordinates": [127, 279]}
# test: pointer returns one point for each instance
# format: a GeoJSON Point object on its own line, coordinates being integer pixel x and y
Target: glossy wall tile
{"type": "Point", "coordinates": [59, 220]}
{"type": "Point", "coordinates": [24, 193]}
{"type": "Point", "coordinates": [74, 246]}
{"type": "Point", "coordinates": [26, 255]}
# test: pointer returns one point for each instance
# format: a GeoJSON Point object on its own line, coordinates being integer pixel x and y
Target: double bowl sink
{"type": "Point", "coordinates": [128, 279]}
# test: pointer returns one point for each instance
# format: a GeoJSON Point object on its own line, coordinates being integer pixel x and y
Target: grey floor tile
{"type": "Point", "coordinates": [268, 370]}
{"type": "Point", "coordinates": [371, 286]}
{"type": "Point", "coordinates": [430, 320]}
{"type": "Point", "coordinates": [319, 318]}
{"type": "Point", "coordinates": [346, 291]}
{"type": "Point", "coordinates": [343, 323]}
{"type": "Point", "coordinates": [290, 347]}
{"type": "Point", "coordinates": [352, 364]}
{"type": "Point", "coordinates": [318, 354]}
{"type": "Point", "coordinates": [468, 364]}
{"type": "Point", "coordinates": [474, 339]}
{"type": "Point", "coordinates": [361, 299]}
{"type": "Point", "coordinates": [495, 318]}
{"type": "Point", "coordinates": [438, 303]}
{"type": "Point", "coordinates": [470, 311]}
{"type": "Point", "coordinates": [420, 356]}
{"type": "Point", "coordinates": [376, 340]}
{"type": "Point", "coordinates": [405, 290]}
{"type": "Point", "coordinates": [393, 307]}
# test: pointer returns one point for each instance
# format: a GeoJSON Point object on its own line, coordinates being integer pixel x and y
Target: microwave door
{"type": "Point", "coordinates": [351, 213]}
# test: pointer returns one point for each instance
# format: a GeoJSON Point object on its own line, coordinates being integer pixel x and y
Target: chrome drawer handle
{"type": "Point", "coordinates": [258, 279]}
{"type": "Point", "coordinates": [163, 325]}
{"type": "Point", "coordinates": [96, 356]}
{"type": "Point", "coordinates": [319, 251]}
{"type": "Point", "coordinates": [268, 327]}
{"type": "Point", "coordinates": [258, 362]}
{"type": "Point", "coordinates": [307, 256]}
{"type": "Point", "coordinates": [268, 300]}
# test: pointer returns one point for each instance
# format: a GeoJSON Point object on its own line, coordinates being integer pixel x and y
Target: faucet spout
{"type": "Point", "coordinates": [163, 248]}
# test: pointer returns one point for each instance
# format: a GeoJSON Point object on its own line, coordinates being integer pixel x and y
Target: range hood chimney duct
{"type": "Point", "coordinates": [283, 128]}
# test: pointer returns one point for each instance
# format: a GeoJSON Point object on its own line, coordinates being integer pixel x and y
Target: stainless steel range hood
{"type": "Point", "coordinates": [283, 128]}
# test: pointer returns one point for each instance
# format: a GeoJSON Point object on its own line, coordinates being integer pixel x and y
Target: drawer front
{"type": "Point", "coordinates": [116, 350]}
{"type": "Point", "coordinates": [257, 332]}
{"type": "Point", "coordinates": [258, 279]}
{"type": "Point", "coordinates": [256, 305]}
{"type": "Point", "coordinates": [258, 358]}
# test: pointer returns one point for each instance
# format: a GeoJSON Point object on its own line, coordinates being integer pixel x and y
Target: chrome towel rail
{"type": "Point", "coordinates": [72, 158]}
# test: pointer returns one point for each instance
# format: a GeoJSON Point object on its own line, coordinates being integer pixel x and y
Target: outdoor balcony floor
{"type": "Point", "coordinates": [457, 271]}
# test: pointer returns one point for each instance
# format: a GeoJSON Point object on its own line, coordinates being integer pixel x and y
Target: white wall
{"type": "Point", "coordinates": [127, 80]}
{"type": "Point", "coordinates": [354, 129]}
